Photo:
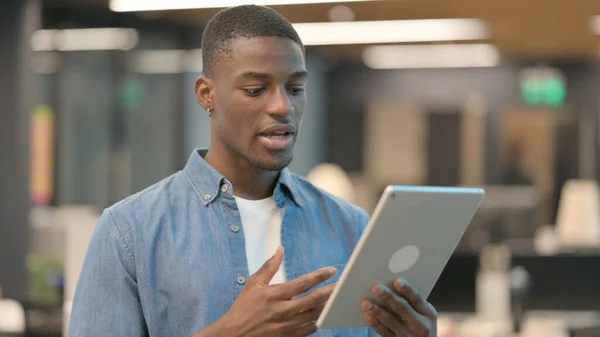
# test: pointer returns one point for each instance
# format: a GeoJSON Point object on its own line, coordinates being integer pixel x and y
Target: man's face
{"type": "Point", "coordinates": [259, 99]}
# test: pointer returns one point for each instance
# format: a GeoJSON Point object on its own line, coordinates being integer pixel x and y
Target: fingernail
{"type": "Point", "coordinates": [367, 305]}
{"type": "Point", "coordinates": [332, 271]}
{"type": "Point", "coordinates": [378, 289]}
{"type": "Point", "coordinates": [400, 284]}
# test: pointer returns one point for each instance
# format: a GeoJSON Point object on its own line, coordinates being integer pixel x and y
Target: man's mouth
{"type": "Point", "coordinates": [277, 135]}
{"type": "Point", "coordinates": [277, 140]}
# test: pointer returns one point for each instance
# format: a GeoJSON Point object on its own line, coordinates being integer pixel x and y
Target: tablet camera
{"type": "Point", "coordinates": [404, 258]}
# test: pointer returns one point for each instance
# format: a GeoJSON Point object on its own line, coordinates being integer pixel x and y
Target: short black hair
{"type": "Point", "coordinates": [245, 21]}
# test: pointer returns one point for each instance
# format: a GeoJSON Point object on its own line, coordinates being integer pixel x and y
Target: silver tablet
{"type": "Point", "coordinates": [411, 235]}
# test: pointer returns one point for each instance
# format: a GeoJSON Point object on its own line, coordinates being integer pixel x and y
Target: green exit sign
{"type": "Point", "coordinates": [543, 87]}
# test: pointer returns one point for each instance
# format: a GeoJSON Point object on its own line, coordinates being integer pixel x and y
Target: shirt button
{"type": "Point", "coordinates": [235, 228]}
{"type": "Point", "coordinates": [241, 280]}
{"type": "Point", "coordinates": [207, 197]}
{"type": "Point", "coordinates": [224, 188]}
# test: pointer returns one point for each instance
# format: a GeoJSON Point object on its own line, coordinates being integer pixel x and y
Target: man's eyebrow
{"type": "Point", "coordinates": [256, 75]}
{"type": "Point", "coordinates": [300, 74]}
{"type": "Point", "coordinates": [303, 74]}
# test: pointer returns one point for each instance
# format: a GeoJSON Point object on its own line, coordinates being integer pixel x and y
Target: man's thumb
{"type": "Point", "coordinates": [266, 272]}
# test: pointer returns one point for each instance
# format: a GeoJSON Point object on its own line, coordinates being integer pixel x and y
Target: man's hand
{"type": "Point", "coordinates": [275, 310]}
{"type": "Point", "coordinates": [404, 312]}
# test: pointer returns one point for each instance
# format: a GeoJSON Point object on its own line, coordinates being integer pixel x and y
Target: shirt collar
{"type": "Point", "coordinates": [208, 183]}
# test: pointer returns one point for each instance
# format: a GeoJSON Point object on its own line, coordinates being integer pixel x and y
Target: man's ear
{"type": "Point", "coordinates": [204, 89]}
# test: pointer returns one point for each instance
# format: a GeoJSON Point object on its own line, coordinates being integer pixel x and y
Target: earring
{"type": "Point", "coordinates": [209, 111]}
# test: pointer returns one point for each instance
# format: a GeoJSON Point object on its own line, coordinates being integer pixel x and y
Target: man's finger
{"type": "Point", "coordinates": [265, 274]}
{"type": "Point", "coordinates": [413, 297]}
{"type": "Point", "coordinates": [303, 284]}
{"type": "Point", "coordinates": [315, 299]}
{"type": "Point", "coordinates": [309, 316]}
{"type": "Point", "coordinates": [306, 329]}
{"type": "Point", "coordinates": [369, 314]}
{"type": "Point", "coordinates": [402, 310]}
{"type": "Point", "coordinates": [302, 324]}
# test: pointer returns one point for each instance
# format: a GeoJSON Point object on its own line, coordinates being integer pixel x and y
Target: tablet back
{"type": "Point", "coordinates": [412, 234]}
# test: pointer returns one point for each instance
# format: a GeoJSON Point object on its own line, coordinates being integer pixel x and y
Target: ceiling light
{"type": "Point", "coordinates": [42, 40]}
{"type": "Point", "coordinates": [193, 61]}
{"type": "Point", "coordinates": [157, 5]}
{"type": "Point", "coordinates": [431, 56]}
{"type": "Point", "coordinates": [594, 24]}
{"type": "Point", "coordinates": [158, 61]}
{"type": "Point", "coordinates": [166, 61]}
{"type": "Point", "coordinates": [364, 32]}
{"type": "Point", "coordinates": [84, 39]}
{"type": "Point", "coordinates": [341, 13]}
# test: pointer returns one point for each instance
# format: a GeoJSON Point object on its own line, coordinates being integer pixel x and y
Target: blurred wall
{"type": "Point", "coordinates": [432, 89]}
{"type": "Point", "coordinates": [353, 87]}
{"type": "Point", "coordinates": [84, 113]}
{"type": "Point", "coordinates": [119, 130]}
{"type": "Point", "coordinates": [18, 18]}
{"type": "Point", "coordinates": [197, 122]}
{"type": "Point", "coordinates": [310, 149]}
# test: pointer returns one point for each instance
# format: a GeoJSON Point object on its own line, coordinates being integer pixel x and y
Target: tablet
{"type": "Point", "coordinates": [411, 235]}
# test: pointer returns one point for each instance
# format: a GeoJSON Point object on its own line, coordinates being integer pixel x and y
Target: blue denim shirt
{"type": "Point", "coordinates": [170, 260]}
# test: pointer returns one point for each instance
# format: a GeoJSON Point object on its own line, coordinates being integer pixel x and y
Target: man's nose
{"type": "Point", "coordinates": [280, 106]}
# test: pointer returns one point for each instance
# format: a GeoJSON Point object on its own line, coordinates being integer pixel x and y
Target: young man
{"type": "Point", "coordinates": [198, 253]}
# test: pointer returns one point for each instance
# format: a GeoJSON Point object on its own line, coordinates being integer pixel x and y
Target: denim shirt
{"type": "Point", "coordinates": [170, 260]}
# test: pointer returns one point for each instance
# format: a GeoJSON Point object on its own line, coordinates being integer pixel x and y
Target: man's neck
{"type": "Point", "coordinates": [249, 181]}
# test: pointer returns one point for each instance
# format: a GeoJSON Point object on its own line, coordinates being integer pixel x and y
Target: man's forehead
{"type": "Point", "coordinates": [301, 74]}
{"type": "Point", "coordinates": [246, 49]}
{"type": "Point", "coordinates": [258, 57]}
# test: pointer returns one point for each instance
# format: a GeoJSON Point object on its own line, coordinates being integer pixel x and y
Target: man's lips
{"type": "Point", "coordinates": [278, 137]}
{"type": "Point", "coordinates": [278, 130]}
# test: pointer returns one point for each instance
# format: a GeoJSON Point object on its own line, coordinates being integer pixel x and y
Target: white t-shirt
{"type": "Point", "coordinates": [261, 221]}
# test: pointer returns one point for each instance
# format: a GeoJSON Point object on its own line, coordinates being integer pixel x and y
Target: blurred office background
{"type": "Point", "coordinates": [97, 103]}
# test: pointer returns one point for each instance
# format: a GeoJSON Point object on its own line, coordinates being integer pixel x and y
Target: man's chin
{"type": "Point", "coordinates": [274, 163]}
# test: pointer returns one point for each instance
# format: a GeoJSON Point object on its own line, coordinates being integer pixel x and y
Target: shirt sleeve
{"type": "Point", "coordinates": [372, 333]}
{"type": "Point", "coordinates": [362, 220]}
{"type": "Point", "coordinates": [107, 301]}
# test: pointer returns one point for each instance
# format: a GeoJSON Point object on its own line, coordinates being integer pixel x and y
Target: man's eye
{"type": "Point", "coordinates": [254, 91]}
{"type": "Point", "coordinates": [296, 90]}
